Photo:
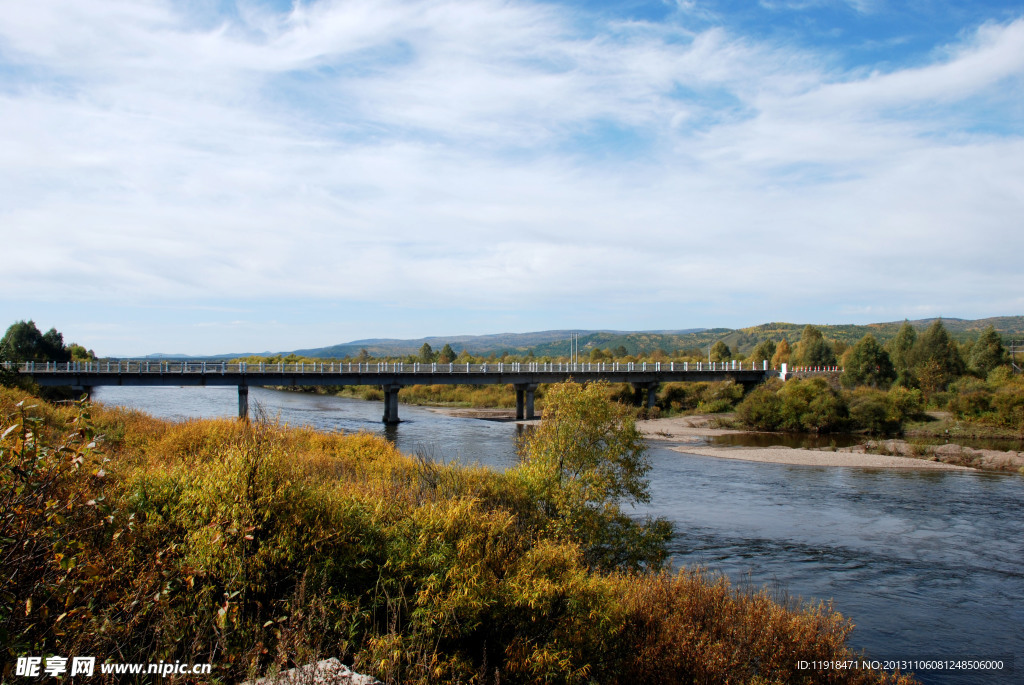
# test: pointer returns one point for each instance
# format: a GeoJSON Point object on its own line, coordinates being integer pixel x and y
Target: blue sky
{"type": "Point", "coordinates": [205, 177]}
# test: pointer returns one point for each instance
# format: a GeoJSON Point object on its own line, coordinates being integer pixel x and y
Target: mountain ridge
{"type": "Point", "coordinates": [556, 342]}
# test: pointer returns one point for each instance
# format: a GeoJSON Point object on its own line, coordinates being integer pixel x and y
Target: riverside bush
{"type": "Point", "coordinates": [812, 405]}
{"type": "Point", "coordinates": [708, 398]}
{"type": "Point", "coordinates": [256, 547]}
{"type": "Point", "coordinates": [998, 400]}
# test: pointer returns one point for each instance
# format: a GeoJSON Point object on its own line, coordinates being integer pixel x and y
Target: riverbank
{"type": "Point", "coordinates": [693, 432]}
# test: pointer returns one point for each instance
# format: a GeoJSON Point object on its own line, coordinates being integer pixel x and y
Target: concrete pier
{"type": "Point", "coordinates": [530, 389]}
{"type": "Point", "coordinates": [651, 390]}
{"type": "Point", "coordinates": [243, 402]}
{"type": "Point", "coordinates": [524, 400]}
{"type": "Point", "coordinates": [391, 403]}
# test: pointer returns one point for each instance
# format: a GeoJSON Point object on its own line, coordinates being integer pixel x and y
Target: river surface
{"type": "Point", "coordinates": [927, 564]}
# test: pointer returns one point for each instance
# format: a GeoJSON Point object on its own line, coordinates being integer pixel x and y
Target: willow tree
{"type": "Point", "coordinates": [583, 463]}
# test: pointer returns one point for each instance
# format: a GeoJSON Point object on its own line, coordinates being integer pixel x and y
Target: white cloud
{"type": "Point", "coordinates": [421, 152]}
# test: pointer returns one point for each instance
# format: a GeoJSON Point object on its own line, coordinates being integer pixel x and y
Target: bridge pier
{"type": "Point", "coordinates": [524, 400]}
{"type": "Point", "coordinates": [652, 392]}
{"type": "Point", "coordinates": [391, 403]}
{"type": "Point", "coordinates": [243, 402]}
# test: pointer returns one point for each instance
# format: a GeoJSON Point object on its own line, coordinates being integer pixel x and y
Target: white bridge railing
{"type": "Point", "coordinates": [223, 368]}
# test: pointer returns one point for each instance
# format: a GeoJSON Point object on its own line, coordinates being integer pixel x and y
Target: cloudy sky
{"type": "Point", "coordinates": [204, 176]}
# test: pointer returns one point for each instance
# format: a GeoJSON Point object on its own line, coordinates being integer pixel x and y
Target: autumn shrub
{"type": "Point", "coordinates": [257, 548]}
{"type": "Point", "coordinates": [904, 404]}
{"type": "Point", "coordinates": [692, 627]}
{"type": "Point", "coordinates": [1008, 407]}
{"type": "Point", "coordinates": [708, 398]}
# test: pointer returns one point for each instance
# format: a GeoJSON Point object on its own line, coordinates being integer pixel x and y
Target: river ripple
{"type": "Point", "coordinates": [927, 564]}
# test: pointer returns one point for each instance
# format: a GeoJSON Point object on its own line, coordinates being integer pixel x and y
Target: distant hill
{"type": "Point", "coordinates": [541, 342]}
{"type": "Point", "coordinates": [556, 343]}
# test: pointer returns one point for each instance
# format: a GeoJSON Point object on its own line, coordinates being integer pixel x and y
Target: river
{"type": "Point", "coordinates": [927, 564]}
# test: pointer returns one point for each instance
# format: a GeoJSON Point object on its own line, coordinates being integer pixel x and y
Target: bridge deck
{"type": "Point", "coordinates": [390, 375]}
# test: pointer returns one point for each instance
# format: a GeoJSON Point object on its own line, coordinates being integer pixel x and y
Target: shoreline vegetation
{"type": "Point", "coordinates": [917, 396]}
{"type": "Point", "coordinates": [259, 548]}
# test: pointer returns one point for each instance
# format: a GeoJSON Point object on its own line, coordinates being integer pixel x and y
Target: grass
{"type": "Point", "coordinates": [257, 547]}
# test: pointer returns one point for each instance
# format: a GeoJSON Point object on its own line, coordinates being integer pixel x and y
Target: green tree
{"type": "Point", "coordinates": [720, 352]}
{"type": "Point", "coordinates": [764, 350]}
{"type": "Point", "coordinates": [899, 352]}
{"type": "Point", "coordinates": [936, 358]}
{"type": "Point", "coordinates": [812, 405]}
{"type": "Point", "coordinates": [813, 350]}
{"type": "Point", "coordinates": [447, 355]}
{"type": "Point", "coordinates": [80, 354]}
{"type": "Point", "coordinates": [868, 364]}
{"type": "Point", "coordinates": [620, 352]}
{"type": "Point", "coordinates": [987, 353]}
{"type": "Point", "coordinates": [426, 355]}
{"type": "Point", "coordinates": [584, 461]}
{"type": "Point", "coordinates": [23, 342]}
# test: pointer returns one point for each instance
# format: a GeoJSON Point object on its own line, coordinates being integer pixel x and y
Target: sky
{"type": "Point", "coordinates": [216, 176]}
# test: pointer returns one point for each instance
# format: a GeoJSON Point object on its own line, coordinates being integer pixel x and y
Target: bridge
{"type": "Point", "coordinates": [390, 376]}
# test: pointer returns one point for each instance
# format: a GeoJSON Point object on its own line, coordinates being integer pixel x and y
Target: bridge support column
{"type": "Point", "coordinates": [652, 393]}
{"type": "Point", "coordinates": [524, 400]}
{"type": "Point", "coordinates": [391, 404]}
{"type": "Point", "coordinates": [243, 402]}
{"type": "Point", "coordinates": [528, 390]}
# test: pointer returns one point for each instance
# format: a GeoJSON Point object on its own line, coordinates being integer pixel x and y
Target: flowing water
{"type": "Point", "coordinates": [927, 564]}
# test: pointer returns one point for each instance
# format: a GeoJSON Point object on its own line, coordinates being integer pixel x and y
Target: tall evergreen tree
{"type": "Point", "coordinates": [987, 353]}
{"type": "Point", "coordinates": [447, 355]}
{"type": "Point", "coordinates": [813, 350]}
{"type": "Point", "coordinates": [868, 364]}
{"type": "Point", "coordinates": [899, 352]}
{"type": "Point", "coordinates": [936, 358]}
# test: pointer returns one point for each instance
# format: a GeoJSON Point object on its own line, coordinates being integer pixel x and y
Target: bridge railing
{"type": "Point", "coordinates": [186, 367]}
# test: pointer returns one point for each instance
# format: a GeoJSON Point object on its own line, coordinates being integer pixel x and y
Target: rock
{"type": "Point", "coordinates": [949, 450]}
{"type": "Point", "coordinates": [325, 672]}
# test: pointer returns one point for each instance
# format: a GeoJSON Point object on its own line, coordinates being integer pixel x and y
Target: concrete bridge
{"type": "Point", "coordinates": [390, 376]}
